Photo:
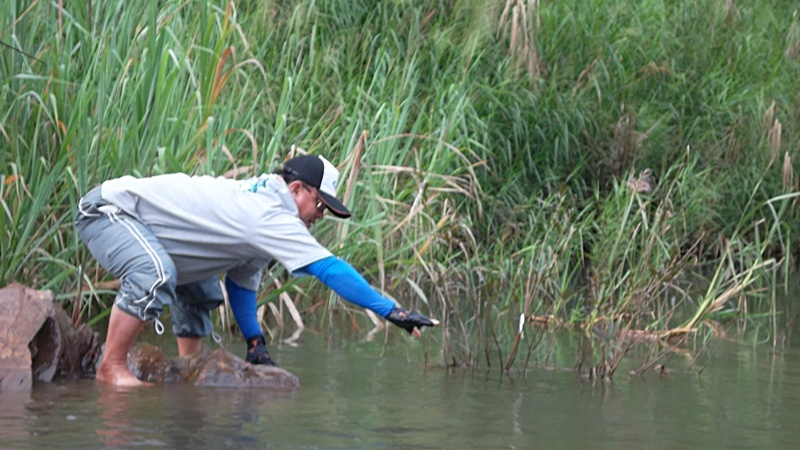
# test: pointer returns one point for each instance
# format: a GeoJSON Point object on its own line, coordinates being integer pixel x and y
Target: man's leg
{"type": "Point", "coordinates": [127, 249]}
{"type": "Point", "coordinates": [122, 331]}
{"type": "Point", "coordinates": [190, 313]}
{"type": "Point", "coordinates": [189, 345]}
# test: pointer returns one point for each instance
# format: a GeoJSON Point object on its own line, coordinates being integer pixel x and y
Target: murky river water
{"type": "Point", "coordinates": [371, 395]}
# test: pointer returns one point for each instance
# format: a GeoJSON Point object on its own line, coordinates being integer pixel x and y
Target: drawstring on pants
{"type": "Point", "coordinates": [158, 326]}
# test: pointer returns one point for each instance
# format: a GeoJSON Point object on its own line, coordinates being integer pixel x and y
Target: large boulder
{"type": "Point", "coordinates": [38, 340]}
{"type": "Point", "coordinates": [61, 349]}
{"type": "Point", "coordinates": [22, 312]}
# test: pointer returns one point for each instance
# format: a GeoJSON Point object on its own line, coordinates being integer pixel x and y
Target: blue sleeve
{"type": "Point", "coordinates": [349, 284]}
{"type": "Point", "coordinates": [243, 305]}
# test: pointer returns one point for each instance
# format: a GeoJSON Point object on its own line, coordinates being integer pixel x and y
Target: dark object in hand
{"type": "Point", "coordinates": [408, 320]}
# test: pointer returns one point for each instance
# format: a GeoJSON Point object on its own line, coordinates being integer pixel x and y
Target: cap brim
{"type": "Point", "coordinates": [333, 204]}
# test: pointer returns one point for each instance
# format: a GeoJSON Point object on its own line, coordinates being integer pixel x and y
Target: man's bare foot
{"type": "Point", "coordinates": [118, 375]}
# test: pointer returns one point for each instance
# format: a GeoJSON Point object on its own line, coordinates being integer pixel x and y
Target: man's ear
{"type": "Point", "coordinates": [295, 186]}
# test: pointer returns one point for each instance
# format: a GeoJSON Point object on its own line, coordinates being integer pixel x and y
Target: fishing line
{"type": "Point", "coordinates": [20, 51]}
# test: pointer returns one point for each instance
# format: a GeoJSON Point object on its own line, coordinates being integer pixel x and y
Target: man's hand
{"type": "Point", "coordinates": [410, 321]}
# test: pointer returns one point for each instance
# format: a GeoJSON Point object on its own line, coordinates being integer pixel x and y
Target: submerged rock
{"type": "Point", "coordinates": [217, 368]}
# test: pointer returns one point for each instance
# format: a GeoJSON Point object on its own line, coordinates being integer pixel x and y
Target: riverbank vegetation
{"type": "Point", "coordinates": [621, 169]}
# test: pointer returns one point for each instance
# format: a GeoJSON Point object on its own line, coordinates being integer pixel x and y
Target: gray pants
{"type": "Point", "coordinates": [127, 249]}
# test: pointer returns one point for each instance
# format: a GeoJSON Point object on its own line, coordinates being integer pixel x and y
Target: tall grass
{"type": "Point", "coordinates": [577, 164]}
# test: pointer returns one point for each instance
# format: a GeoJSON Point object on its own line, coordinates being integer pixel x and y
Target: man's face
{"type": "Point", "coordinates": [309, 203]}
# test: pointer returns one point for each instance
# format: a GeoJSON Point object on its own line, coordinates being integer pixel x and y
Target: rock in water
{"type": "Point", "coordinates": [22, 312]}
{"type": "Point", "coordinates": [62, 349]}
{"type": "Point", "coordinates": [149, 363]}
{"type": "Point", "coordinates": [38, 341]}
{"type": "Point", "coordinates": [217, 368]}
{"type": "Point", "coordinates": [223, 368]}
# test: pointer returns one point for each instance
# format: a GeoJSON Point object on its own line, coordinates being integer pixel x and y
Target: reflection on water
{"type": "Point", "coordinates": [366, 394]}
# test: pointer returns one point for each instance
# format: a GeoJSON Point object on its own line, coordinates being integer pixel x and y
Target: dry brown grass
{"type": "Point", "coordinates": [520, 19]}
